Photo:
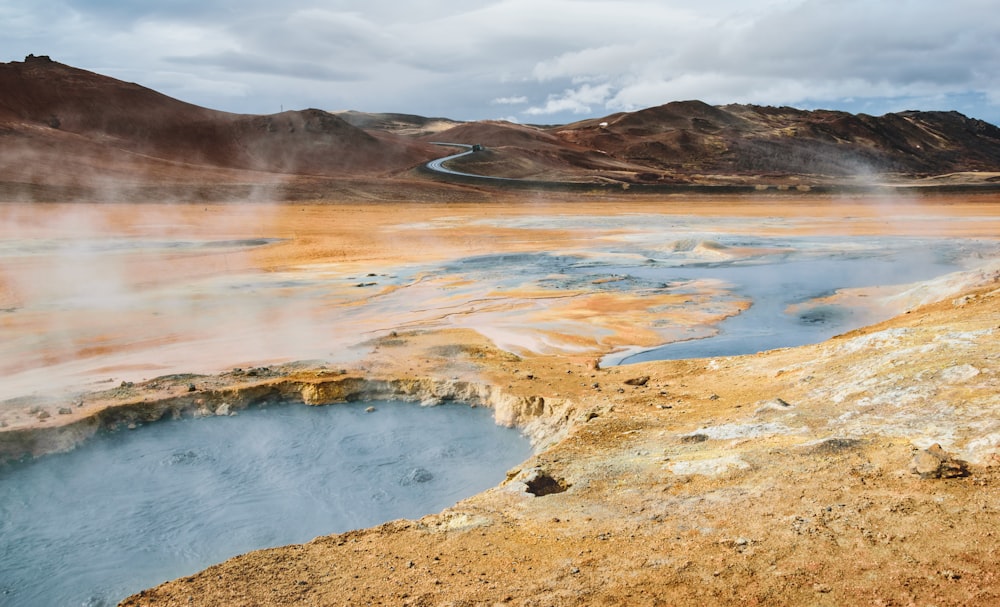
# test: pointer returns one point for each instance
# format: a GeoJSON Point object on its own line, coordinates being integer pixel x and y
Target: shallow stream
{"type": "Point", "coordinates": [131, 509]}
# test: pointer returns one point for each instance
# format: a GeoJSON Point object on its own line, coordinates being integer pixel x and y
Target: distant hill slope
{"type": "Point", "coordinates": [734, 139]}
{"type": "Point", "coordinates": [693, 142]}
{"type": "Point", "coordinates": [47, 108]}
{"type": "Point", "coordinates": [66, 126]}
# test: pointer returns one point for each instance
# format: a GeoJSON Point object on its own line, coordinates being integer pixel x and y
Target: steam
{"type": "Point", "coordinates": [99, 293]}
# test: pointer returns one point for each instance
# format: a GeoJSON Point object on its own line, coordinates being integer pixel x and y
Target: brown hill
{"type": "Point", "coordinates": [692, 137]}
{"type": "Point", "coordinates": [64, 126]}
{"type": "Point", "coordinates": [528, 152]}
{"type": "Point", "coordinates": [693, 142]}
{"type": "Point", "coordinates": [55, 118]}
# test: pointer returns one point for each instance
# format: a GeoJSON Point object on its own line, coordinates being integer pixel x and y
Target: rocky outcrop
{"type": "Point", "coordinates": [541, 420]}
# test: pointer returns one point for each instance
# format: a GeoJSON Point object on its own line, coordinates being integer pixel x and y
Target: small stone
{"type": "Point", "coordinates": [821, 588]}
{"type": "Point", "coordinates": [43, 414]}
{"type": "Point", "coordinates": [65, 411]}
{"type": "Point", "coordinates": [935, 462]}
{"type": "Point", "coordinates": [192, 387]}
{"type": "Point", "coordinates": [637, 381]}
{"type": "Point", "coordinates": [224, 409]}
{"type": "Point", "coordinates": [370, 410]}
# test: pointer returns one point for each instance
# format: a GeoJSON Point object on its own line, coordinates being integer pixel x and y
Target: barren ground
{"type": "Point", "coordinates": [784, 477]}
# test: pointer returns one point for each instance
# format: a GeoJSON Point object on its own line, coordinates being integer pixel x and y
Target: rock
{"type": "Point", "coordinates": [694, 438]}
{"type": "Point", "coordinates": [935, 462]}
{"type": "Point", "coordinates": [775, 404]}
{"type": "Point", "coordinates": [637, 381]}
{"type": "Point", "coordinates": [65, 411]}
{"type": "Point", "coordinates": [417, 475]}
{"type": "Point", "coordinates": [192, 387]}
{"type": "Point", "coordinates": [540, 483]}
{"type": "Point", "coordinates": [370, 410]}
{"type": "Point", "coordinates": [224, 409]}
{"type": "Point", "coordinates": [594, 364]}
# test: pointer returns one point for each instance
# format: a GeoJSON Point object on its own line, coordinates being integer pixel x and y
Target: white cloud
{"type": "Point", "coordinates": [580, 56]}
{"type": "Point", "coordinates": [510, 100]}
{"type": "Point", "coordinates": [576, 101]}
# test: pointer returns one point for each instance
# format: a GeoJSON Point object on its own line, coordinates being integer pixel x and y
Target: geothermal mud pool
{"type": "Point", "coordinates": [133, 508]}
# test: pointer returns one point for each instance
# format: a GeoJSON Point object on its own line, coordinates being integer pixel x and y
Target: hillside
{"type": "Point", "coordinates": [69, 128]}
{"type": "Point", "coordinates": [693, 142]}
{"type": "Point", "coordinates": [61, 124]}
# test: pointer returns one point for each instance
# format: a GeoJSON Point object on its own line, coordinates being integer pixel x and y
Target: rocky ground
{"type": "Point", "coordinates": [863, 470]}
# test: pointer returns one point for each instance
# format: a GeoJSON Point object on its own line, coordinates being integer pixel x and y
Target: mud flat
{"type": "Point", "coordinates": [804, 475]}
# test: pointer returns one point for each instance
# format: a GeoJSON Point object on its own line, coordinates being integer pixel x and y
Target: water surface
{"type": "Point", "coordinates": [131, 509]}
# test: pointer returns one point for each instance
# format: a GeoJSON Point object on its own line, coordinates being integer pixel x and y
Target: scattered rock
{"type": "Point", "coordinates": [836, 445]}
{"type": "Point", "coordinates": [694, 438]}
{"type": "Point", "coordinates": [370, 410]}
{"type": "Point", "coordinates": [417, 475]}
{"type": "Point", "coordinates": [637, 381]}
{"type": "Point", "coordinates": [775, 404]}
{"type": "Point", "coordinates": [43, 414]}
{"type": "Point", "coordinates": [65, 411]}
{"type": "Point", "coordinates": [935, 462]}
{"type": "Point", "coordinates": [540, 483]}
{"type": "Point", "coordinates": [192, 388]}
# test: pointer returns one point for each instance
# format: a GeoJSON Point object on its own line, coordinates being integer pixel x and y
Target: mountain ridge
{"type": "Point", "coordinates": [50, 112]}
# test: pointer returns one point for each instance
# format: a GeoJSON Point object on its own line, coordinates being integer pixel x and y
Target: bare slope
{"type": "Point", "coordinates": [50, 111]}
{"type": "Point", "coordinates": [693, 142]}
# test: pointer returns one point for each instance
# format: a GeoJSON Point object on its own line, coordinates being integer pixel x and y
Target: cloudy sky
{"type": "Point", "coordinates": [531, 61]}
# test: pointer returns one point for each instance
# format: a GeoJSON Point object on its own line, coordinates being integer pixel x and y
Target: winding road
{"type": "Point", "coordinates": [438, 165]}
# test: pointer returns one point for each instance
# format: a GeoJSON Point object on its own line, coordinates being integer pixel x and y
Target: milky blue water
{"type": "Point", "coordinates": [776, 283]}
{"type": "Point", "coordinates": [131, 509]}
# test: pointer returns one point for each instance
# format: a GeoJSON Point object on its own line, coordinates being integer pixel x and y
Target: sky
{"type": "Point", "coordinates": [528, 61]}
